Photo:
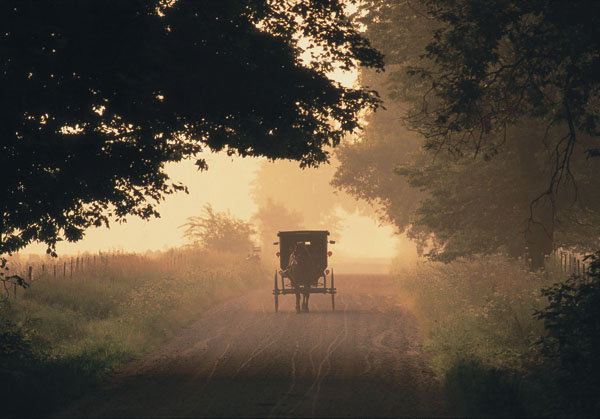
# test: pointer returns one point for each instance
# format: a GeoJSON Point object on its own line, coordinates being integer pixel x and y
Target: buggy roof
{"type": "Point", "coordinates": [303, 233]}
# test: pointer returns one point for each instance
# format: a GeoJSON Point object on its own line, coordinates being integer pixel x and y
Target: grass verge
{"type": "Point", "coordinates": [61, 336]}
{"type": "Point", "coordinates": [483, 341]}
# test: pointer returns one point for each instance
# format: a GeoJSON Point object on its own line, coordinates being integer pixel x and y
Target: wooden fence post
{"type": "Point", "coordinates": [55, 271]}
{"type": "Point", "coordinates": [30, 274]}
{"type": "Point", "coordinates": [71, 272]}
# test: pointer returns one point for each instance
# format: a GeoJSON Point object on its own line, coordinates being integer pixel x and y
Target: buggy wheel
{"type": "Point", "coordinates": [276, 292]}
{"type": "Point", "coordinates": [332, 292]}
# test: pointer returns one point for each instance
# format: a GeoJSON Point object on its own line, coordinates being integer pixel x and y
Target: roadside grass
{"type": "Point", "coordinates": [61, 336]}
{"type": "Point", "coordinates": [479, 331]}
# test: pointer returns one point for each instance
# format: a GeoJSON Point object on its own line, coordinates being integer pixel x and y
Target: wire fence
{"type": "Point", "coordinates": [568, 263]}
{"type": "Point", "coordinates": [90, 266]}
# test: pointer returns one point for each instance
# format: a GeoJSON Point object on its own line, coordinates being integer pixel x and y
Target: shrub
{"type": "Point", "coordinates": [499, 347]}
{"type": "Point", "coordinates": [219, 231]}
{"type": "Point", "coordinates": [572, 340]}
{"type": "Point", "coordinates": [472, 389]}
{"type": "Point", "coordinates": [478, 329]}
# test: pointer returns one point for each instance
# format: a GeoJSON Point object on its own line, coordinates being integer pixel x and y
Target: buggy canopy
{"type": "Point", "coordinates": [314, 240]}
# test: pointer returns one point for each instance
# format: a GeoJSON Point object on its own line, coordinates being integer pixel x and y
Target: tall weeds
{"type": "Point", "coordinates": [480, 333]}
{"type": "Point", "coordinates": [63, 334]}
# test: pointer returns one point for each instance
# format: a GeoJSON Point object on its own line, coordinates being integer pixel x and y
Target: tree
{"type": "Point", "coordinates": [272, 217]}
{"type": "Point", "coordinates": [366, 169]}
{"type": "Point", "coordinates": [306, 192]}
{"type": "Point", "coordinates": [98, 97]}
{"type": "Point", "coordinates": [501, 62]}
{"type": "Point", "coordinates": [219, 231]}
{"type": "Point", "coordinates": [507, 63]}
{"type": "Point", "coordinates": [400, 29]}
{"type": "Point", "coordinates": [462, 68]}
{"type": "Point", "coordinates": [480, 207]}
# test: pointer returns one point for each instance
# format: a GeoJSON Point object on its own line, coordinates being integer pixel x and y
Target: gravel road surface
{"type": "Point", "coordinates": [241, 359]}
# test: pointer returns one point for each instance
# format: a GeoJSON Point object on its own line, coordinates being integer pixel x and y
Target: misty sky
{"type": "Point", "coordinates": [226, 186]}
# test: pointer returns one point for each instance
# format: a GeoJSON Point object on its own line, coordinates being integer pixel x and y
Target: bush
{"type": "Point", "coordinates": [487, 345]}
{"type": "Point", "coordinates": [472, 389]}
{"type": "Point", "coordinates": [219, 231]}
{"type": "Point", "coordinates": [572, 340]}
{"type": "Point", "coordinates": [477, 309]}
{"type": "Point", "coordinates": [478, 329]}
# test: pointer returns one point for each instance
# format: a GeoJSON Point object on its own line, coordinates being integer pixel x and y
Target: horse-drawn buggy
{"type": "Point", "coordinates": [304, 268]}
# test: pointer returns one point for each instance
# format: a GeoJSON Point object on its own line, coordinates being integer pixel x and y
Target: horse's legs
{"type": "Point", "coordinates": [305, 297]}
{"type": "Point", "coordinates": [297, 300]}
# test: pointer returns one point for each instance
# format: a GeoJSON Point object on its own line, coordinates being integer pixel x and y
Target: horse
{"type": "Point", "coordinates": [301, 272]}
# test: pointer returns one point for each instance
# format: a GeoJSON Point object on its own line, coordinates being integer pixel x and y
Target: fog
{"type": "Point", "coordinates": [458, 158]}
{"type": "Point", "coordinates": [238, 185]}
{"type": "Point", "coordinates": [234, 184]}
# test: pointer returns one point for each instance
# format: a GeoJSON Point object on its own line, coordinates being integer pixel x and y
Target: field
{"type": "Point", "coordinates": [74, 325]}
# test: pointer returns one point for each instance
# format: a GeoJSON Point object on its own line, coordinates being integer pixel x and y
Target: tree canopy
{"type": "Point", "coordinates": [504, 96]}
{"type": "Point", "coordinates": [98, 96]}
{"type": "Point", "coordinates": [499, 63]}
{"type": "Point", "coordinates": [270, 218]}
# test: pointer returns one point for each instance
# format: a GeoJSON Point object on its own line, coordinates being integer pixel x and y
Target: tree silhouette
{"type": "Point", "coordinates": [98, 96]}
{"type": "Point", "coordinates": [270, 218]}
{"type": "Point", "coordinates": [219, 231]}
{"type": "Point", "coordinates": [492, 80]}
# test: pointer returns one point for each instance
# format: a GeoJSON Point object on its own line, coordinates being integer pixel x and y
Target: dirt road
{"type": "Point", "coordinates": [243, 359]}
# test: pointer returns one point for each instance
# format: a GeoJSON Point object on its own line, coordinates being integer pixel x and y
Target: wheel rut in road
{"type": "Point", "coordinates": [241, 359]}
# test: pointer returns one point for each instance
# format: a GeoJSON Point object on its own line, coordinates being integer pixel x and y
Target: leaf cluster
{"type": "Point", "coordinates": [98, 97]}
{"type": "Point", "coordinates": [7, 279]}
{"type": "Point", "coordinates": [499, 62]}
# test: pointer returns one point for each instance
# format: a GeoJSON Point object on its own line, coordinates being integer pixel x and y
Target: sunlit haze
{"type": "Point", "coordinates": [227, 187]}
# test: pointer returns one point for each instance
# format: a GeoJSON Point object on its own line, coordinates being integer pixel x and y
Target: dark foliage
{"type": "Point", "coordinates": [472, 389]}
{"type": "Point", "coordinates": [98, 96]}
{"type": "Point", "coordinates": [34, 384]}
{"type": "Point", "coordinates": [505, 96]}
{"type": "Point", "coordinates": [572, 322]}
{"type": "Point", "coordinates": [501, 61]}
